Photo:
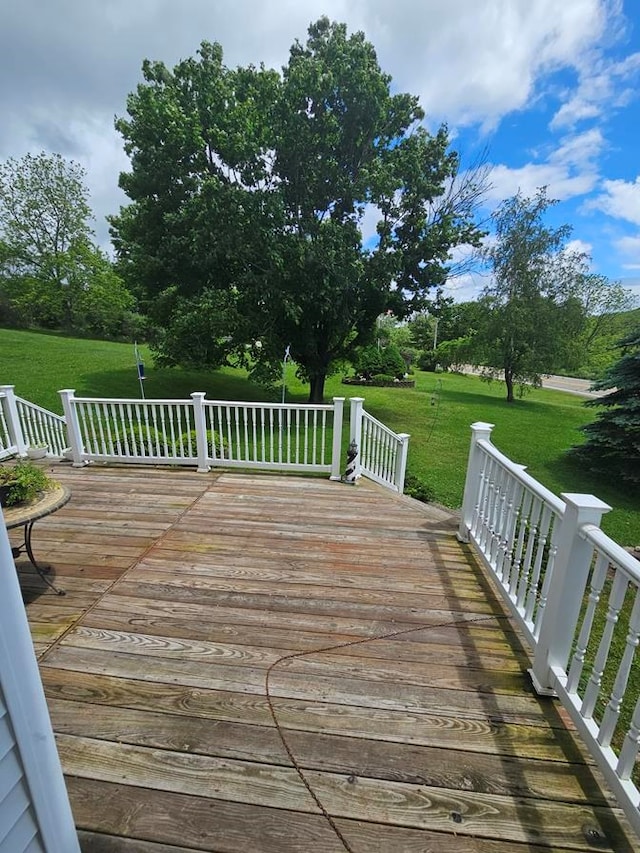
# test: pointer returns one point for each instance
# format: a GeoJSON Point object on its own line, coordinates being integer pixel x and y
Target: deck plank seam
{"type": "Point", "coordinates": [54, 645]}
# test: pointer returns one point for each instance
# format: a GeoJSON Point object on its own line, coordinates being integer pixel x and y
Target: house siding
{"type": "Point", "coordinates": [18, 828]}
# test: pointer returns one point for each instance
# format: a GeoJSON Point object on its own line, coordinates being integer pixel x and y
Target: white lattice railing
{"type": "Point", "coordinates": [576, 596]}
{"type": "Point", "coordinates": [381, 453]}
{"type": "Point", "coordinates": [206, 432]}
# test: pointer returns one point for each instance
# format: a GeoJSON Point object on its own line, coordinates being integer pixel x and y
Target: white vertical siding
{"type": "Point", "coordinates": [35, 816]}
{"type": "Point", "coordinates": [18, 827]}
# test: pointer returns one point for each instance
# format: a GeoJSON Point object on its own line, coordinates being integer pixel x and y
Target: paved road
{"type": "Point", "coordinates": [580, 387]}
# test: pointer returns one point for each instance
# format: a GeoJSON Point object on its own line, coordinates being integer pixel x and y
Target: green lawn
{"type": "Point", "coordinates": [535, 431]}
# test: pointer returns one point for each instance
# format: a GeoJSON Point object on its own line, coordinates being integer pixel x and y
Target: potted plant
{"type": "Point", "coordinates": [38, 450]}
{"type": "Point", "coordinates": [21, 483]}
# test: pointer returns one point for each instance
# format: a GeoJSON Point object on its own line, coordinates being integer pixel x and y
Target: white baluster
{"type": "Point", "coordinates": [630, 746]}
{"type": "Point", "coordinates": [616, 599]}
{"type": "Point", "coordinates": [612, 711]}
{"type": "Point", "coordinates": [577, 662]}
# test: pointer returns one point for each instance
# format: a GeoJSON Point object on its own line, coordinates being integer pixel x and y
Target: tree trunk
{"type": "Point", "coordinates": [316, 388]}
{"type": "Point", "coordinates": [508, 378]}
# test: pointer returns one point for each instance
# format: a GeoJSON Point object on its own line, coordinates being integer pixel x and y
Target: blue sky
{"type": "Point", "coordinates": [578, 133]}
{"type": "Point", "coordinates": [549, 87]}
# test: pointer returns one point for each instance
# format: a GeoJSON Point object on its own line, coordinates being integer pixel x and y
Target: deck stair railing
{"type": "Point", "coordinates": [23, 425]}
{"type": "Point", "coordinates": [382, 453]}
{"type": "Point", "coordinates": [575, 594]}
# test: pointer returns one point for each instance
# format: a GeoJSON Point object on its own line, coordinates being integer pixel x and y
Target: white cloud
{"type": "Point", "coordinates": [569, 171]}
{"type": "Point", "coordinates": [579, 247]}
{"type": "Point", "coordinates": [620, 199]}
{"type": "Point", "coordinates": [466, 288]}
{"type": "Point", "coordinates": [475, 62]}
{"type": "Point", "coordinates": [629, 248]}
{"type": "Point", "coordinates": [604, 85]}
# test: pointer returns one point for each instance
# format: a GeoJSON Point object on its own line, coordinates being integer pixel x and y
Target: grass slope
{"type": "Point", "coordinates": [535, 431]}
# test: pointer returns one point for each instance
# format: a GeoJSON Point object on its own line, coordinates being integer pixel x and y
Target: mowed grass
{"type": "Point", "coordinates": [535, 431]}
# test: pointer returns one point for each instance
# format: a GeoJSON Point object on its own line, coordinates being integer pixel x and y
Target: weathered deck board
{"type": "Point", "coordinates": [184, 589]}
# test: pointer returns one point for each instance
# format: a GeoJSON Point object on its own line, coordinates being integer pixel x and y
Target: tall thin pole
{"type": "Point", "coordinates": [139, 368]}
{"type": "Point", "coordinates": [287, 355]}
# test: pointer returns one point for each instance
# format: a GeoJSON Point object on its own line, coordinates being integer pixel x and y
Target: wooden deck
{"type": "Point", "coordinates": [269, 663]}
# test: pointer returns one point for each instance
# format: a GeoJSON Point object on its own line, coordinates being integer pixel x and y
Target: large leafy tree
{"type": "Point", "coordinates": [607, 306]}
{"type": "Point", "coordinates": [51, 273]}
{"type": "Point", "coordinates": [530, 313]}
{"type": "Point", "coordinates": [249, 195]}
{"type": "Point", "coordinates": [612, 448]}
{"type": "Point", "coordinates": [44, 213]}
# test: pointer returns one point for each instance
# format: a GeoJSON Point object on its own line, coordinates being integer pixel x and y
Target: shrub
{"type": "Point", "coordinates": [24, 482]}
{"type": "Point", "coordinates": [417, 488]}
{"type": "Point", "coordinates": [428, 360]}
{"type": "Point", "coordinates": [409, 356]}
{"type": "Point", "coordinates": [383, 377]}
{"type": "Point", "coordinates": [453, 354]}
{"type": "Point", "coordinates": [372, 361]}
{"type": "Point", "coordinates": [136, 437]}
{"type": "Point", "coordinates": [213, 438]}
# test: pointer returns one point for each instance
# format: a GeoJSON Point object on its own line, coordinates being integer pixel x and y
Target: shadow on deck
{"type": "Point", "coordinates": [271, 663]}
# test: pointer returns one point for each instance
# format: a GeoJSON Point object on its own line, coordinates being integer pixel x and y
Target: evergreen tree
{"type": "Point", "coordinates": [613, 440]}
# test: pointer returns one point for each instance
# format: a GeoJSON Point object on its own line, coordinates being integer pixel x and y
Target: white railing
{"type": "Point", "coordinates": [205, 433]}
{"type": "Point", "coordinates": [576, 596]}
{"type": "Point", "coordinates": [8, 442]}
{"type": "Point", "coordinates": [382, 453]}
{"type": "Point", "coordinates": [264, 435]}
{"type": "Point", "coordinates": [272, 436]}
{"type": "Point", "coordinates": [40, 426]}
{"type": "Point", "coordinates": [24, 425]}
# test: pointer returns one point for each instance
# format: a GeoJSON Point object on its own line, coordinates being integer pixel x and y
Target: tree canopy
{"type": "Point", "coordinates": [51, 273]}
{"type": "Point", "coordinates": [252, 197]}
{"type": "Point", "coordinates": [530, 313]}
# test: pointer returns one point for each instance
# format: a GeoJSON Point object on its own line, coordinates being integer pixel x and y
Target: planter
{"type": "Point", "coordinates": [37, 452]}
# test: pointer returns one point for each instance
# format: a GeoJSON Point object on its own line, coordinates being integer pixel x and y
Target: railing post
{"type": "Point", "coordinates": [479, 430]}
{"type": "Point", "coordinates": [13, 419]}
{"type": "Point", "coordinates": [401, 460]}
{"type": "Point", "coordinates": [74, 435]}
{"type": "Point", "coordinates": [336, 450]}
{"type": "Point", "coordinates": [201, 431]}
{"type": "Point", "coordinates": [355, 432]}
{"type": "Point", "coordinates": [566, 589]}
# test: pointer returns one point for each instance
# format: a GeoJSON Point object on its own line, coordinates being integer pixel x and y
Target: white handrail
{"type": "Point", "coordinates": [575, 594]}
{"type": "Point", "coordinates": [24, 424]}
{"type": "Point", "coordinates": [42, 427]}
{"type": "Point", "coordinates": [381, 453]}
{"type": "Point", "coordinates": [271, 436]}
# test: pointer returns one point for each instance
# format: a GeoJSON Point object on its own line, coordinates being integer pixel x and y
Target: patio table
{"type": "Point", "coordinates": [26, 515]}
